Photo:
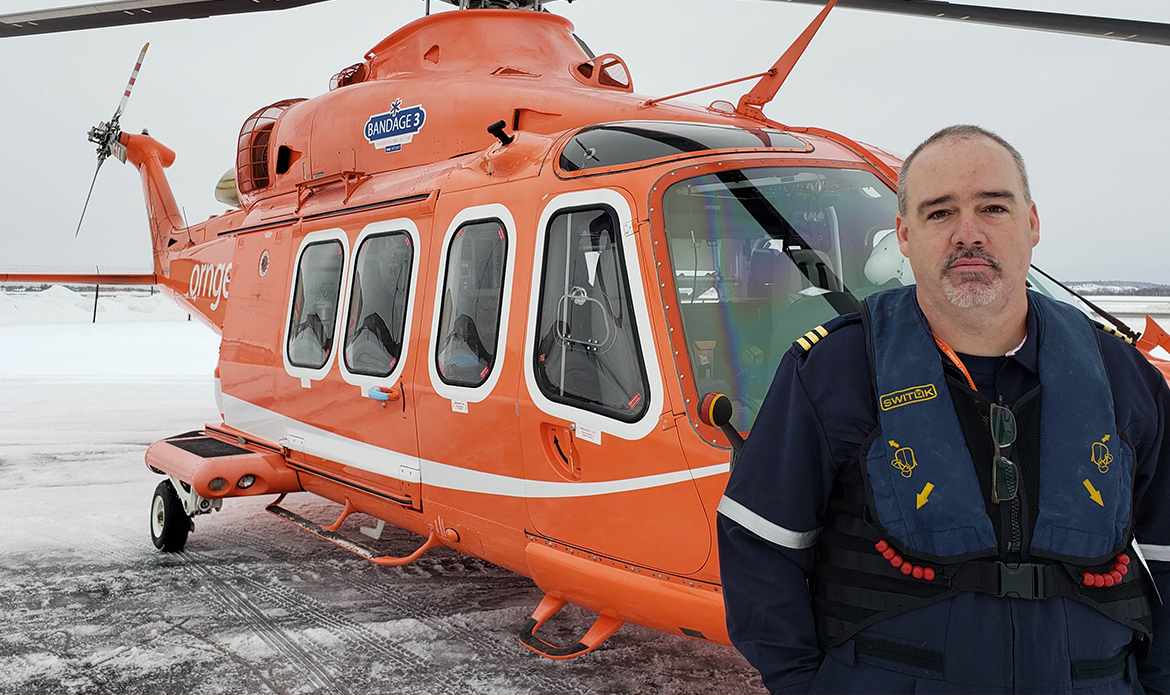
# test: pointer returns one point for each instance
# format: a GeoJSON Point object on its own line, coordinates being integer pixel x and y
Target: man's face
{"type": "Point", "coordinates": [968, 229]}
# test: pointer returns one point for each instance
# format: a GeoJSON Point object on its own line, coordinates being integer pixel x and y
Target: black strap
{"type": "Point", "coordinates": [866, 580]}
{"type": "Point", "coordinates": [1087, 669]}
{"type": "Point", "coordinates": [840, 611]}
{"type": "Point", "coordinates": [932, 660]}
{"type": "Point", "coordinates": [1024, 580]}
{"type": "Point", "coordinates": [917, 657]}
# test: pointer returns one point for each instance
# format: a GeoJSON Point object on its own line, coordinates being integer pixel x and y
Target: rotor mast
{"type": "Point", "coordinates": [537, 5]}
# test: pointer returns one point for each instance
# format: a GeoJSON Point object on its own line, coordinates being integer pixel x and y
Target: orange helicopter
{"type": "Point", "coordinates": [483, 291]}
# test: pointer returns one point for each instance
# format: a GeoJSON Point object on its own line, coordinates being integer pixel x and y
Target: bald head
{"type": "Point", "coordinates": [952, 134]}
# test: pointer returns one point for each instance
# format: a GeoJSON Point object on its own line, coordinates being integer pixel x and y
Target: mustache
{"type": "Point", "coordinates": [972, 252]}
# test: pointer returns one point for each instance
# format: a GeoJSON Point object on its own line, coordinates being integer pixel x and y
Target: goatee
{"type": "Point", "coordinates": [967, 289]}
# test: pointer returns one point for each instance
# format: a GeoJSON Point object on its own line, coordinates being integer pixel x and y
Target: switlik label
{"type": "Point", "coordinates": [914, 394]}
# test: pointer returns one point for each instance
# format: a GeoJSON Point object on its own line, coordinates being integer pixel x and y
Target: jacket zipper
{"type": "Point", "coordinates": [1016, 532]}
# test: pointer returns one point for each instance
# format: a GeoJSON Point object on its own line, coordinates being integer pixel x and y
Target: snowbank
{"type": "Point", "coordinates": [59, 304]}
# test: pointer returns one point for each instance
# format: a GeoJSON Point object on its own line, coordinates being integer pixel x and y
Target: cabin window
{"type": "Point", "coordinates": [315, 299]}
{"type": "Point", "coordinates": [473, 292]}
{"type": "Point", "coordinates": [587, 344]}
{"type": "Point", "coordinates": [378, 304]}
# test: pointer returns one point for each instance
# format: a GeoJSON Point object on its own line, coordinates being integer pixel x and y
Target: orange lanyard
{"type": "Point", "coordinates": [955, 359]}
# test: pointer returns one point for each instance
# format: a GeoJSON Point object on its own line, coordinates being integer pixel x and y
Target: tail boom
{"type": "Point", "coordinates": [167, 228]}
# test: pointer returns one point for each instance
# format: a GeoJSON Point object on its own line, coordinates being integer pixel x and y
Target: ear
{"type": "Point", "coordinates": [902, 231]}
{"type": "Point", "coordinates": [1034, 224]}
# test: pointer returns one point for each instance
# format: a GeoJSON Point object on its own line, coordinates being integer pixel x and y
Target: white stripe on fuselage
{"type": "Point", "coordinates": [275, 427]}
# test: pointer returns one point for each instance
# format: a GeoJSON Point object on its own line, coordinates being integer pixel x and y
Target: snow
{"type": "Point", "coordinates": [1134, 309]}
{"type": "Point", "coordinates": [252, 604]}
{"type": "Point", "coordinates": [171, 350]}
{"type": "Point", "coordinates": [61, 305]}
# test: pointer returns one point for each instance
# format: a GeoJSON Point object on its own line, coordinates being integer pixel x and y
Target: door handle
{"type": "Point", "coordinates": [384, 395]}
{"type": "Point", "coordinates": [381, 393]}
{"type": "Point", "coordinates": [561, 449]}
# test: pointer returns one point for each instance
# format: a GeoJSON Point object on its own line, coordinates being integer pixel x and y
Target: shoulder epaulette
{"type": "Point", "coordinates": [806, 341]}
{"type": "Point", "coordinates": [1113, 332]}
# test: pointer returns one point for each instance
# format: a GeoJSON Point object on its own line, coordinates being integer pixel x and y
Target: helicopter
{"type": "Point", "coordinates": [484, 291]}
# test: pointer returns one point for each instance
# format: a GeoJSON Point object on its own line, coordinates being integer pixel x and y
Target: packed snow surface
{"type": "Point", "coordinates": [252, 604]}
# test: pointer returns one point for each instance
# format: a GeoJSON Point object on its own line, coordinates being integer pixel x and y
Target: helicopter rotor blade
{"type": "Point", "coordinates": [101, 160]}
{"type": "Point", "coordinates": [125, 12]}
{"type": "Point", "coordinates": [130, 84]}
{"type": "Point", "coordinates": [95, 15]}
{"type": "Point", "coordinates": [1134, 31]}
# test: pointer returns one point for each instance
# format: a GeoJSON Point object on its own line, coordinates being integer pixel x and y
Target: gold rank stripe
{"type": "Point", "coordinates": [811, 338]}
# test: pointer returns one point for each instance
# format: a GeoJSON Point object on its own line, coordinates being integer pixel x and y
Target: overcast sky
{"type": "Point", "coordinates": [1089, 115]}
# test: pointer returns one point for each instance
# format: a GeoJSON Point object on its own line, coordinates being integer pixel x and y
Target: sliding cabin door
{"type": "Point", "coordinates": [344, 401]}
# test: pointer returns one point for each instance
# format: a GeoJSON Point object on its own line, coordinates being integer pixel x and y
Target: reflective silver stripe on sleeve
{"type": "Point", "coordinates": [766, 529]}
{"type": "Point", "coordinates": [1159, 553]}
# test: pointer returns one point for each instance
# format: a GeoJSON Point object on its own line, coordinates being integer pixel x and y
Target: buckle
{"type": "Point", "coordinates": [1025, 580]}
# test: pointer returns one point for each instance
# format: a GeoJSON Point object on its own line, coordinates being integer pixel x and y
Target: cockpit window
{"type": "Point", "coordinates": [761, 256]}
{"type": "Point", "coordinates": [314, 314]}
{"type": "Point", "coordinates": [614, 144]}
{"type": "Point", "coordinates": [378, 304]}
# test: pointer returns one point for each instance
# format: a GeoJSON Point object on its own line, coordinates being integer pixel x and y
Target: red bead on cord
{"type": "Point", "coordinates": [900, 564]}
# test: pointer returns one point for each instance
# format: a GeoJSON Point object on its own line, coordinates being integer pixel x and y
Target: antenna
{"type": "Point", "coordinates": [752, 103]}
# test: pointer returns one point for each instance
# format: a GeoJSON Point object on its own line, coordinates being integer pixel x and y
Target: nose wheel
{"type": "Point", "coordinates": [169, 523]}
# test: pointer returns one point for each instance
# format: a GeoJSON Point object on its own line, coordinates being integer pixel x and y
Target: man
{"type": "Point", "coordinates": [942, 493]}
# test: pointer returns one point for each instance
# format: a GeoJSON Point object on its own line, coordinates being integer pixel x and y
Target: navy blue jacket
{"type": "Point", "coordinates": [818, 413]}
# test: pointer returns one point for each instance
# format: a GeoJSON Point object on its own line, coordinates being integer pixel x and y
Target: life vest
{"type": "Point", "coordinates": [910, 519]}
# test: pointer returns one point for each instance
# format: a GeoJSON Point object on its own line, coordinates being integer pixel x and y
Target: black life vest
{"type": "Point", "coordinates": [1071, 521]}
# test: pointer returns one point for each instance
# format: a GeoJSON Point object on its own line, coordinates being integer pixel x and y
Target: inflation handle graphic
{"type": "Point", "coordinates": [1094, 493]}
{"type": "Point", "coordinates": [924, 496]}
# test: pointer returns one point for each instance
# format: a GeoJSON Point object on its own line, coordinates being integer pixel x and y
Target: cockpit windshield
{"type": "Point", "coordinates": [762, 255]}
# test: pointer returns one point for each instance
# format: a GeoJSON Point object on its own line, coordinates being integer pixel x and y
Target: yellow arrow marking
{"type": "Point", "coordinates": [894, 444]}
{"type": "Point", "coordinates": [922, 496]}
{"type": "Point", "coordinates": [1094, 493]}
{"type": "Point", "coordinates": [1105, 438]}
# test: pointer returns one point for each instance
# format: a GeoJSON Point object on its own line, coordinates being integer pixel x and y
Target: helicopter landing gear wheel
{"type": "Point", "coordinates": [169, 523]}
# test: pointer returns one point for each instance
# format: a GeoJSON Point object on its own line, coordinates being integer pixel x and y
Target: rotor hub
{"type": "Point", "coordinates": [537, 5]}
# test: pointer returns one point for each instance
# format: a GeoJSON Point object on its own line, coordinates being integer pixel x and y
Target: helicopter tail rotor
{"type": "Point", "coordinates": [107, 135]}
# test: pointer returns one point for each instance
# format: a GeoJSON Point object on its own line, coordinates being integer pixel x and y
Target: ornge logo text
{"type": "Point", "coordinates": [210, 281]}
